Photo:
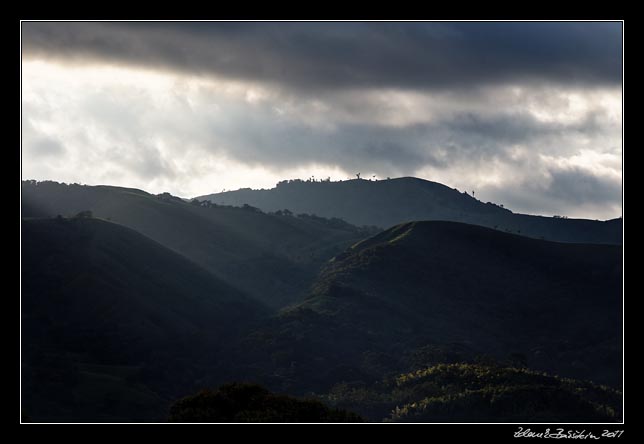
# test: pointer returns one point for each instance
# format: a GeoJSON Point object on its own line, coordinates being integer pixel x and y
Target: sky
{"type": "Point", "coordinates": [526, 114]}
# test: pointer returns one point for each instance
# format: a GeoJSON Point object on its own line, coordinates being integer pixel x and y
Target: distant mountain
{"type": "Point", "coordinates": [114, 325]}
{"type": "Point", "coordinates": [273, 257]}
{"type": "Point", "coordinates": [422, 293]}
{"type": "Point", "coordinates": [385, 203]}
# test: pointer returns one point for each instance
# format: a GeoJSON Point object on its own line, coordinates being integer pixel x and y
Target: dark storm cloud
{"type": "Point", "coordinates": [259, 138]}
{"type": "Point", "coordinates": [504, 128]}
{"type": "Point", "coordinates": [319, 56]}
{"type": "Point", "coordinates": [575, 184]}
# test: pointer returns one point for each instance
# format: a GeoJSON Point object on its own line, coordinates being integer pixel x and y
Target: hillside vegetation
{"type": "Point", "coordinates": [272, 257]}
{"type": "Point", "coordinates": [115, 325]}
{"type": "Point", "coordinates": [385, 203]}
{"type": "Point", "coordinates": [237, 402]}
{"type": "Point", "coordinates": [131, 301]}
{"type": "Point", "coordinates": [480, 393]}
{"type": "Point", "coordinates": [426, 291]}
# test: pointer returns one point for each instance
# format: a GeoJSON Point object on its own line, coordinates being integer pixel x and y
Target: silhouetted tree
{"type": "Point", "coordinates": [241, 402]}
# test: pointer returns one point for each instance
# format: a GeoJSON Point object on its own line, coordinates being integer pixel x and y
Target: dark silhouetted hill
{"type": "Point", "coordinates": [273, 257]}
{"type": "Point", "coordinates": [385, 203]}
{"type": "Point", "coordinates": [237, 402]}
{"type": "Point", "coordinates": [114, 325]}
{"type": "Point", "coordinates": [430, 291]}
{"type": "Point", "coordinates": [131, 300]}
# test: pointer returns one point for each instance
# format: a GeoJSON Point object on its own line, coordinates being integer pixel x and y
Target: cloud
{"type": "Point", "coordinates": [529, 116]}
{"type": "Point", "coordinates": [577, 184]}
{"type": "Point", "coordinates": [254, 135]}
{"type": "Point", "coordinates": [574, 192]}
{"type": "Point", "coordinates": [39, 144]}
{"type": "Point", "coordinates": [310, 57]}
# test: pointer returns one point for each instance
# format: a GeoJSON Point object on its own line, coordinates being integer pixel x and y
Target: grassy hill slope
{"type": "Point", "coordinates": [423, 290]}
{"type": "Point", "coordinates": [272, 257]}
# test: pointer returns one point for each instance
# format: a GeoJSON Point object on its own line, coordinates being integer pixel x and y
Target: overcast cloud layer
{"type": "Point", "coordinates": [527, 114]}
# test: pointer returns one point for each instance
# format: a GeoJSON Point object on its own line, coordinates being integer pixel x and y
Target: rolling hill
{"type": "Point", "coordinates": [273, 257]}
{"type": "Point", "coordinates": [132, 300]}
{"type": "Point", "coordinates": [114, 325]}
{"type": "Point", "coordinates": [385, 203]}
{"type": "Point", "coordinates": [423, 293]}
{"type": "Point", "coordinates": [481, 393]}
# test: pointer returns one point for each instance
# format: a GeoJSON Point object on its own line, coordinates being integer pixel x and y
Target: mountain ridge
{"type": "Point", "coordinates": [385, 203]}
{"type": "Point", "coordinates": [468, 289]}
{"type": "Point", "coordinates": [270, 256]}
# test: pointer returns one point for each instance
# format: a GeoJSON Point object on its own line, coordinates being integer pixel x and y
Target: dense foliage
{"type": "Point", "coordinates": [480, 393]}
{"type": "Point", "coordinates": [237, 402]}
